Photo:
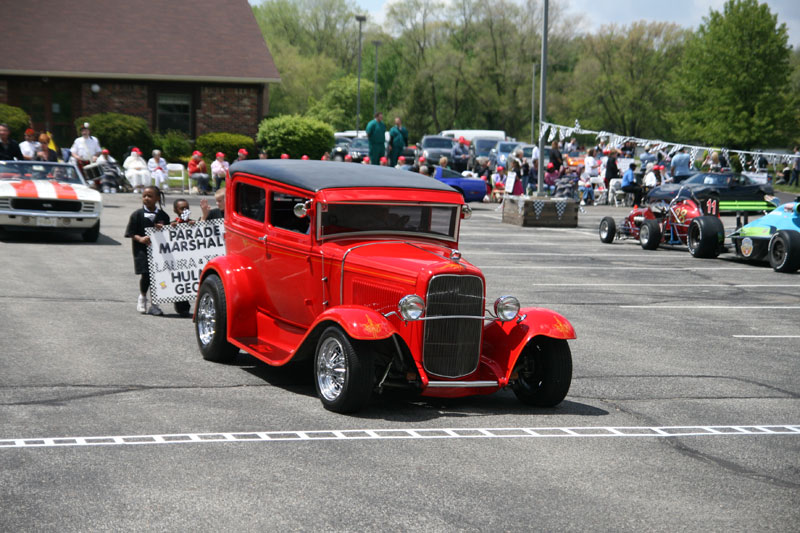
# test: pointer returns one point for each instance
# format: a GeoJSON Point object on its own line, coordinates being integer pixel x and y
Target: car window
{"type": "Point", "coordinates": [250, 201]}
{"type": "Point", "coordinates": [281, 212]}
{"type": "Point", "coordinates": [506, 147]}
{"type": "Point", "coordinates": [359, 143]}
{"type": "Point", "coordinates": [484, 145]}
{"type": "Point", "coordinates": [435, 220]}
{"type": "Point", "coordinates": [39, 171]}
{"type": "Point", "coordinates": [437, 142]}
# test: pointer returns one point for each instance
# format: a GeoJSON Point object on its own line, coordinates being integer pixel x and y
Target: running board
{"type": "Point", "coordinates": [461, 384]}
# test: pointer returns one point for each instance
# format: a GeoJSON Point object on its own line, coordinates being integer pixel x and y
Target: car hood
{"type": "Point", "coordinates": [401, 261]}
{"type": "Point", "coordinates": [48, 190]}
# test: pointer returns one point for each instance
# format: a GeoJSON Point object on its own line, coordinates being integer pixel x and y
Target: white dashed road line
{"type": "Point", "coordinates": [405, 434]}
{"type": "Point", "coordinates": [766, 336]}
{"type": "Point", "coordinates": [684, 306]}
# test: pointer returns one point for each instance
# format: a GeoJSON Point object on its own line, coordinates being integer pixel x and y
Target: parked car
{"type": "Point", "coordinates": [433, 147]}
{"type": "Point", "coordinates": [47, 196]}
{"type": "Point", "coordinates": [473, 189]}
{"type": "Point", "coordinates": [480, 147]}
{"type": "Point", "coordinates": [358, 149]}
{"type": "Point", "coordinates": [498, 156]}
{"type": "Point", "coordinates": [356, 269]}
{"type": "Point", "coordinates": [715, 186]}
{"type": "Point", "coordinates": [680, 222]}
{"type": "Point", "coordinates": [774, 237]}
{"type": "Point", "coordinates": [340, 148]}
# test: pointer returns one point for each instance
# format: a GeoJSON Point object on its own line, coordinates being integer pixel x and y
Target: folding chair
{"type": "Point", "coordinates": [178, 168]}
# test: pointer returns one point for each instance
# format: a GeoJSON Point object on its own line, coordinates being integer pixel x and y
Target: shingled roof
{"type": "Point", "coordinates": [188, 40]}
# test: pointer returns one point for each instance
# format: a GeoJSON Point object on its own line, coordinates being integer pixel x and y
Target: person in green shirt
{"type": "Point", "coordinates": [376, 135]}
{"type": "Point", "coordinates": [398, 140]}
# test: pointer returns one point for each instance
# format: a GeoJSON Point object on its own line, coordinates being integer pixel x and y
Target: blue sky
{"type": "Point", "coordinates": [688, 13]}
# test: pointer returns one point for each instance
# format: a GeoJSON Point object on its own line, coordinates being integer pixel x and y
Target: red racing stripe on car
{"type": "Point", "coordinates": [26, 189]}
{"type": "Point", "coordinates": [64, 192]}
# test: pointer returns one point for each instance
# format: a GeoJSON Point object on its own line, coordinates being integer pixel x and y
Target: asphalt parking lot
{"type": "Point", "coordinates": [684, 411]}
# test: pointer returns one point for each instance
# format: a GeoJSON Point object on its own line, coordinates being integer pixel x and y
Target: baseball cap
{"type": "Point", "coordinates": [220, 154]}
{"type": "Point", "coordinates": [242, 151]}
{"type": "Point", "coordinates": [197, 153]}
{"type": "Point", "coordinates": [304, 157]}
{"type": "Point", "coordinates": [284, 156]}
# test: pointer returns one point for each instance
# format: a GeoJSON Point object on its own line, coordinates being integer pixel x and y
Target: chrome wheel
{"type": "Point", "coordinates": [206, 319]}
{"type": "Point", "coordinates": [331, 368]}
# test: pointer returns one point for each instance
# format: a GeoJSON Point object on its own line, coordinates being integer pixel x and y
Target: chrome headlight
{"type": "Point", "coordinates": [411, 307]}
{"type": "Point", "coordinates": [506, 308]}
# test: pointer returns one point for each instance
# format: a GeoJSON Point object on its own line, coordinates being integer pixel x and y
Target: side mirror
{"type": "Point", "coordinates": [301, 209]}
{"type": "Point", "coordinates": [466, 211]}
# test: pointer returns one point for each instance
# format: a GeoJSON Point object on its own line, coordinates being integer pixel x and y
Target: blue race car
{"type": "Point", "coordinates": [472, 189]}
{"type": "Point", "coordinates": [775, 236]}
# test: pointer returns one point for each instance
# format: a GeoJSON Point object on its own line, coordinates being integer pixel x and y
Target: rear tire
{"type": "Point", "coordinates": [705, 236]}
{"type": "Point", "coordinates": [344, 377]}
{"type": "Point", "coordinates": [544, 372]}
{"type": "Point", "coordinates": [211, 326]}
{"type": "Point", "coordinates": [784, 251]}
{"type": "Point", "coordinates": [92, 234]}
{"type": "Point", "coordinates": [650, 234]}
{"type": "Point", "coordinates": [608, 230]}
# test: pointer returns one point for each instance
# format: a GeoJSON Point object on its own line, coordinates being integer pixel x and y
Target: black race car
{"type": "Point", "coordinates": [715, 186]}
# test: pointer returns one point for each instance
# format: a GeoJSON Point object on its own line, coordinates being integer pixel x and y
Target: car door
{"type": "Point", "coordinates": [293, 273]}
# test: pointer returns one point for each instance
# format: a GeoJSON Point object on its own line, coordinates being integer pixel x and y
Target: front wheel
{"type": "Point", "coordinates": [344, 376]}
{"type": "Point", "coordinates": [544, 372]}
{"type": "Point", "coordinates": [784, 251]}
{"type": "Point", "coordinates": [211, 324]}
{"type": "Point", "coordinates": [608, 230]}
{"type": "Point", "coordinates": [92, 234]}
{"type": "Point", "coordinates": [705, 236]}
{"type": "Point", "coordinates": [650, 234]}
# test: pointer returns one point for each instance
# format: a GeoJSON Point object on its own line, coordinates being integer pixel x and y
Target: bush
{"type": "Point", "coordinates": [295, 135]}
{"type": "Point", "coordinates": [117, 132]}
{"type": "Point", "coordinates": [174, 145]}
{"type": "Point", "coordinates": [17, 119]}
{"type": "Point", "coordinates": [227, 143]}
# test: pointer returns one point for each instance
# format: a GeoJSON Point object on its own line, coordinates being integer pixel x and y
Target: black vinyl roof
{"type": "Point", "coordinates": [319, 175]}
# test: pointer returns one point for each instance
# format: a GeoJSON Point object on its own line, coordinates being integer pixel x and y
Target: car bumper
{"type": "Point", "coordinates": [48, 220]}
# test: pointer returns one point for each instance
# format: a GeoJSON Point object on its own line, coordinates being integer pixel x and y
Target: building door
{"type": "Point", "coordinates": [53, 106]}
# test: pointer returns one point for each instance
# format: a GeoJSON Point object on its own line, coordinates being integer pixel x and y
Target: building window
{"type": "Point", "coordinates": [174, 112]}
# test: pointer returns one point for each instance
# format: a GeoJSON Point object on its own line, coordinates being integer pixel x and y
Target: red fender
{"type": "Point", "coordinates": [504, 341]}
{"type": "Point", "coordinates": [358, 322]}
{"type": "Point", "coordinates": [242, 287]}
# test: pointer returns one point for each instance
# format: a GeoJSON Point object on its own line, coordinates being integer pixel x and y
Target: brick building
{"type": "Point", "coordinates": [198, 66]}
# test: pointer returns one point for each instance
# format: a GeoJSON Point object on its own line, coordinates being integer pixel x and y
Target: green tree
{"type": "Point", "coordinates": [733, 81]}
{"type": "Point", "coordinates": [619, 83]}
{"type": "Point", "coordinates": [337, 106]}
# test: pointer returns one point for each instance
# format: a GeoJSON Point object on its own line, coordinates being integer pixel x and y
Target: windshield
{"type": "Point", "coordinates": [341, 141]}
{"type": "Point", "coordinates": [39, 171]}
{"type": "Point", "coordinates": [439, 221]}
{"type": "Point", "coordinates": [506, 147]}
{"type": "Point", "coordinates": [709, 179]}
{"type": "Point", "coordinates": [359, 143]}
{"type": "Point", "coordinates": [437, 142]}
{"type": "Point", "coordinates": [482, 146]}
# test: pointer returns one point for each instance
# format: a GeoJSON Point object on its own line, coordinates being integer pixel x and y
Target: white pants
{"type": "Point", "coordinates": [138, 178]}
{"type": "Point", "coordinates": [159, 177]}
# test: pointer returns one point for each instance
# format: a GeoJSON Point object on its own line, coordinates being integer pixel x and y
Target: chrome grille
{"type": "Point", "coordinates": [451, 347]}
{"type": "Point", "coordinates": [88, 207]}
{"type": "Point", "coordinates": [5, 203]}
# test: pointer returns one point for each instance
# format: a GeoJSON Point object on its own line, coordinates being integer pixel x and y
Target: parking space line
{"type": "Point", "coordinates": [607, 267]}
{"type": "Point", "coordinates": [766, 336]}
{"type": "Point", "coordinates": [684, 306]}
{"type": "Point", "coordinates": [396, 434]}
{"type": "Point", "coordinates": [672, 285]}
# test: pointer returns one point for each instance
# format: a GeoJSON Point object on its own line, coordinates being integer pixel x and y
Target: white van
{"type": "Point", "coordinates": [500, 135]}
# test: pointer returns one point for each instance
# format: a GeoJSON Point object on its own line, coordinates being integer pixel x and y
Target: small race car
{"type": "Point", "coordinates": [774, 237]}
{"type": "Point", "coordinates": [44, 196]}
{"type": "Point", "coordinates": [681, 222]}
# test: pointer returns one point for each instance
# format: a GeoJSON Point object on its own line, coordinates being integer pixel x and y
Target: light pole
{"type": "Point", "coordinates": [375, 83]}
{"type": "Point", "coordinates": [361, 19]}
{"type": "Point", "coordinates": [543, 82]}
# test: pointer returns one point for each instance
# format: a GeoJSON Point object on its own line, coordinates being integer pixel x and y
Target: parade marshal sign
{"type": "Point", "coordinates": [177, 255]}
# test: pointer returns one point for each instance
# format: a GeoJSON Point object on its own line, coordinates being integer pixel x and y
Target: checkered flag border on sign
{"type": "Point", "coordinates": [538, 205]}
{"type": "Point", "coordinates": [561, 206]}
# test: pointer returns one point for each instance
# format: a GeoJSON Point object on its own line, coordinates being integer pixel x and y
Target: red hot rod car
{"type": "Point", "coordinates": [357, 269]}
